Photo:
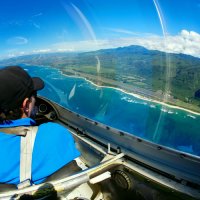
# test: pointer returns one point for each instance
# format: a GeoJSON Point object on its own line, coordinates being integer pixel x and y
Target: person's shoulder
{"type": "Point", "coordinates": [53, 128]}
{"type": "Point", "coordinates": [51, 125]}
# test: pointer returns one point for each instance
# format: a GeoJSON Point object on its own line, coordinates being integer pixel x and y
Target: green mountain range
{"type": "Point", "coordinates": [169, 76]}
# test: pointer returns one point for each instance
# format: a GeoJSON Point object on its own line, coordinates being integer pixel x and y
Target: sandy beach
{"type": "Point", "coordinates": [145, 98]}
{"type": "Point", "coordinates": [135, 95]}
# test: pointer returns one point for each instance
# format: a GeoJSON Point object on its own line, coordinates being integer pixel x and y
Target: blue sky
{"type": "Point", "coordinates": [39, 26]}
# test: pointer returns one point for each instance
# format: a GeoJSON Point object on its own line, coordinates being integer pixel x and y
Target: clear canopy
{"type": "Point", "coordinates": [130, 64]}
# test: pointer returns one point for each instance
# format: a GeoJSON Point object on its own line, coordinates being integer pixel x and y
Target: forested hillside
{"type": "Point", "coordinates": [178, 75]}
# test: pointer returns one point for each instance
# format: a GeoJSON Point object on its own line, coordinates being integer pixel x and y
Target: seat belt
{"type": "Point", "coordinates": [20, 130]}
{"type": "Point", "coordinates": [26, 150]}
{"type": "Point", "coordinates": [28, 135]}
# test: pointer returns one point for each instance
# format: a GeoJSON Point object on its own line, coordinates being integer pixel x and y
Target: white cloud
{"type": "Point", "coordinates": [18, 40]}
{"type": "Point", "coordinates": [13, 53]}
{"type": "Point", "coordinates": [16, 54]}
{"type": "Point", "coordinates": [65, 50]}
{"type": "Point", "coordinates": [186, 42]}
{"type": "Point", "coordinates": [124, 31]}
{"type": "Point", "coordinates": [84, 45]}
{"type": "Point", "coordinates": [42, 51]}
{"type": "Point", "coordinates": [33, 23]}
{"type": "Point", "coordinates": [36, 25]}
{"type": "Point", "coordinates": [37, 15]}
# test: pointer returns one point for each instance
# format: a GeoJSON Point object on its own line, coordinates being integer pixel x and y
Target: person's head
{"type": "Point", "coordinates": [17, 93]}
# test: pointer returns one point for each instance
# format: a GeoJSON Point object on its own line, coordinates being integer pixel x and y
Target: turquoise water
{"type": "Point", "coordinates": [167, 126]}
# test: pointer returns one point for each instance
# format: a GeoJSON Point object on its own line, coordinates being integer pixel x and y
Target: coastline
{"type": "Point", "coordinates": [135, 95]}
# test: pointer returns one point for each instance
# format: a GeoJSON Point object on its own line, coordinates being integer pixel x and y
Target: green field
{"type": "Point", "coordinates": [135, 69]}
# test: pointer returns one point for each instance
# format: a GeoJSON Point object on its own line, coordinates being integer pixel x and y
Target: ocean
{"type": "Point", "coordinates": [171, 127]}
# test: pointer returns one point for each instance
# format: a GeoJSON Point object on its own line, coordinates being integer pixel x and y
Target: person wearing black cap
{"type": "Point", "coordinates": [17, 89]}
{"type": "Point", "coordinates": [53, 146]}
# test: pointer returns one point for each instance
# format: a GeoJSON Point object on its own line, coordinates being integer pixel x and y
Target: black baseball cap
{"type": "Point", "coordinates": [15, 85]}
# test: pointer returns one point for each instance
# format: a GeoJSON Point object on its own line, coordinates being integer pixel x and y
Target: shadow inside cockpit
{"type": "Point", "coordinates": [45, 192]}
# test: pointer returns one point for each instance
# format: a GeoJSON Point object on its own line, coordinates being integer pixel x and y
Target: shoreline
{"type": "Point", "coordinates": [135, 95]}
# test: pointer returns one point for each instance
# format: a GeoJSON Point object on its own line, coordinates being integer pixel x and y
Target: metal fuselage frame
{"type": "Point", "coordinates": [105, 149]}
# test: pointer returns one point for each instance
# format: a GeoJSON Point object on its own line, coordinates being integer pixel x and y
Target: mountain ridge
{"type": "Point", "coordinates": [175, 74]}
{"type": "Point", "coordinates": [125, 49]}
